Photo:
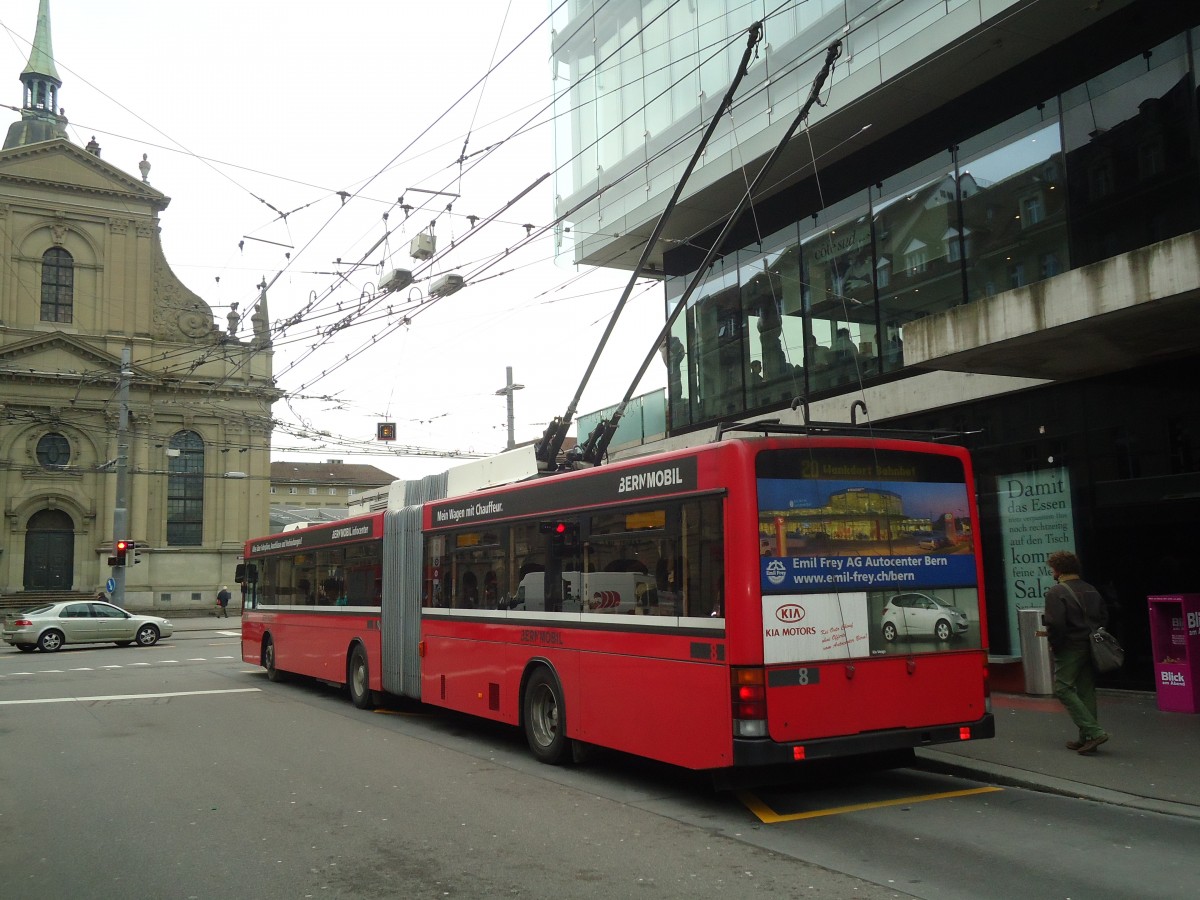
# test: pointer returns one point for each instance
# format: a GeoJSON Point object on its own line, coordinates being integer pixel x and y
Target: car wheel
{"type": "Point", "coordinates": [359, 680]}
{"type": "Point", "coordinates": [122, 643]}
{"type": "Point", "coordinates": [942, 630]}
{"type": "Point", "coordinates": [268, 661]}
{"type": "Point", "coordinates": [545, 718]}
{"type": "Point", "coordinates": [889, 632]}
{"type": "Point", "coordinates": [50, 641]}
{"type": "Point", "coordinates": [26, 648]}
{"type": "Point", "coordinates": [147, 635]}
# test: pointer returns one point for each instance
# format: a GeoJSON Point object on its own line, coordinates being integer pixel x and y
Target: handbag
{"type": "Point", "coordinates": [1107, 653]}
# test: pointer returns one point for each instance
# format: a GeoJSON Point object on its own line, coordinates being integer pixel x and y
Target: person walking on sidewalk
{"type": "Point", "coordinates": [1073, 610]}
{"type": "Point", "coordinates": [223, 598]}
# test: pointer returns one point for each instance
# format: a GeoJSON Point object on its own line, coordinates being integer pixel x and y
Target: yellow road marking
{"type": "Point", "coordinates": [768, 816]}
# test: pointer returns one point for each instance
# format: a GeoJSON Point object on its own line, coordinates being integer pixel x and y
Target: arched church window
{"type": "Point", "coordinates": [185, 490]}
{"type": "Point", "coordinates": [58, 285]}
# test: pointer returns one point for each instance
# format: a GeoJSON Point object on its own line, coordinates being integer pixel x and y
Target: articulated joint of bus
{"type": "Point", "coordinates": [749, 690]}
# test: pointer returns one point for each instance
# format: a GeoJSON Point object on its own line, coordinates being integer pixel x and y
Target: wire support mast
{"type": "Point", "coordinates": [592, 450]}
{"type": "Point", "coordinates": [546, 450]}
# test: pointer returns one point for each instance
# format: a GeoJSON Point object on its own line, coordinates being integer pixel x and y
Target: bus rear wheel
{"type": "Point", "coordinates": [359, 679]}
{"type": "Point", "coordinates": [545, 718]}
{"type": "Point", "coordinates": [268, 661]}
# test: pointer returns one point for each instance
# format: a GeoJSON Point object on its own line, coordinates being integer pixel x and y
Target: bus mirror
{"type": "Point", "coordinates": [239, 574]}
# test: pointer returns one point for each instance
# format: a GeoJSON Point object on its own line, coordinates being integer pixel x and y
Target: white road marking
{"type": "Point", "coordinates": [129, 697]}
{"type": "Point", "coordinates": [112, 666]}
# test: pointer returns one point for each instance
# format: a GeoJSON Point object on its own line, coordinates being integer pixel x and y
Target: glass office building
{"type": "Point", "coordinates": [989, 222]}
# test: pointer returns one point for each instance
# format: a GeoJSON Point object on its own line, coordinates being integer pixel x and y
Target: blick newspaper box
{"type": "Point", "coordinates": [1175, 644]}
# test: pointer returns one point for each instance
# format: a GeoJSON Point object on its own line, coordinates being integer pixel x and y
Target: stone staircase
{"type": "Point", "coordinates": [26, 599]}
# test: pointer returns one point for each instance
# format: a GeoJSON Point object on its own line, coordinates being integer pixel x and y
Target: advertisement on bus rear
{"type": "Point", "coordinates": [822, 534]}
{"type": "Point", "coordinates": [856, 567]}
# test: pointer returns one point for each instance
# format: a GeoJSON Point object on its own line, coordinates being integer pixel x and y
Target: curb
{"type": "Point", "coordinates": [949, 764]}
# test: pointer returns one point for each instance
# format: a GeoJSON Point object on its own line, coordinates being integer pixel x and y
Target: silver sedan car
{"type": "Point", "coordinates": [52, 625]}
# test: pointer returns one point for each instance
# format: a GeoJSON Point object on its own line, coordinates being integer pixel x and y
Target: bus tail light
{"type": "Point", "coordinates": [749, 690]}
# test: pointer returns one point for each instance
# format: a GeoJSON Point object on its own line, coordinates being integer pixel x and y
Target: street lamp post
{"type": "Point", "coordinates": [121, 508]}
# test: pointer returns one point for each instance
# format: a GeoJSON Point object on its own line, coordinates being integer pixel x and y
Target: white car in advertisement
{"type": "Point", "coordinates": [916, 614]}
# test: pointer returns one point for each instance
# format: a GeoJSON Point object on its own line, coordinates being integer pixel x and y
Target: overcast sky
{"type": "Point", "coordinates": [249, 109]}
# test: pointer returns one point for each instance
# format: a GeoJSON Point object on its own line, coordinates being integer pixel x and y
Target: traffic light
{"type": "Point", "coordinates": [564, 536]}
{"type": "Point", "coordinates": [385, 431]}
{"type": "Point", "coordinates": [122, 551]}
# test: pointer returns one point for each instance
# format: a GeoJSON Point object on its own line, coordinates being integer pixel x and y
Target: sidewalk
{"type": "Point", "coordinates": [205, 621]}
{"type": "Point", "coordinates": [1149, 763]}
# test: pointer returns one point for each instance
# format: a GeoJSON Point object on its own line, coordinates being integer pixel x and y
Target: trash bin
{"type": "Point", "coordinates": [1035, 652]}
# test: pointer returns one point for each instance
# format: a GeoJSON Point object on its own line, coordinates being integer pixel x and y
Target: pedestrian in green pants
{"type": "Point", "coordinates": [1073, 610]}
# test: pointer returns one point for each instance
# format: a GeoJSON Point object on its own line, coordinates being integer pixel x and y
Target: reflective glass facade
{"type": "Point", "coordinates": [820, 306]}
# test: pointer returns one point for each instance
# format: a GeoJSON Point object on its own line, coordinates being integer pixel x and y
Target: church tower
{"type": "Point", "coordinates": [41, 119]}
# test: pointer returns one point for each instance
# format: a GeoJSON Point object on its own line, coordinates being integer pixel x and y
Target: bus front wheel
{"type": "Point", "coordinates": [545, 718]}
{"type": "Point", "coordinates": [359, 680]}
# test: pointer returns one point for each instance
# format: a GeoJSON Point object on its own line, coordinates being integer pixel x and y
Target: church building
{"type": "Point", "coordinates": [126, 411]}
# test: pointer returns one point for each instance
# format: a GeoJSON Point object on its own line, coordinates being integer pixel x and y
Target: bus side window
{"type": "Point", "coordinates": [468, 595]}
{"type": "Point", "coordinates": [703, 581]}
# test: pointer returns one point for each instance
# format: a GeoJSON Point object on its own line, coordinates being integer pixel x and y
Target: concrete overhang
{"type": "Point", "coordinates": [1137, 308]}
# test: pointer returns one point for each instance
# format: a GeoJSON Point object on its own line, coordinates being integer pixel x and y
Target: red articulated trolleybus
{"type": "Point", "coordinates": [762, 599]}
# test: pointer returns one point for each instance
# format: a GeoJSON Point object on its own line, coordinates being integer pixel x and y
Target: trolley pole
{"type": "Point", "coordinates": [509, 388]}
{"type": "Point", "coordinates": [121, 509]}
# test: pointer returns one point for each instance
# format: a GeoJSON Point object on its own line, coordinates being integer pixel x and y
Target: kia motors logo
{"type": "Point", "coordinates": [790, 613]}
